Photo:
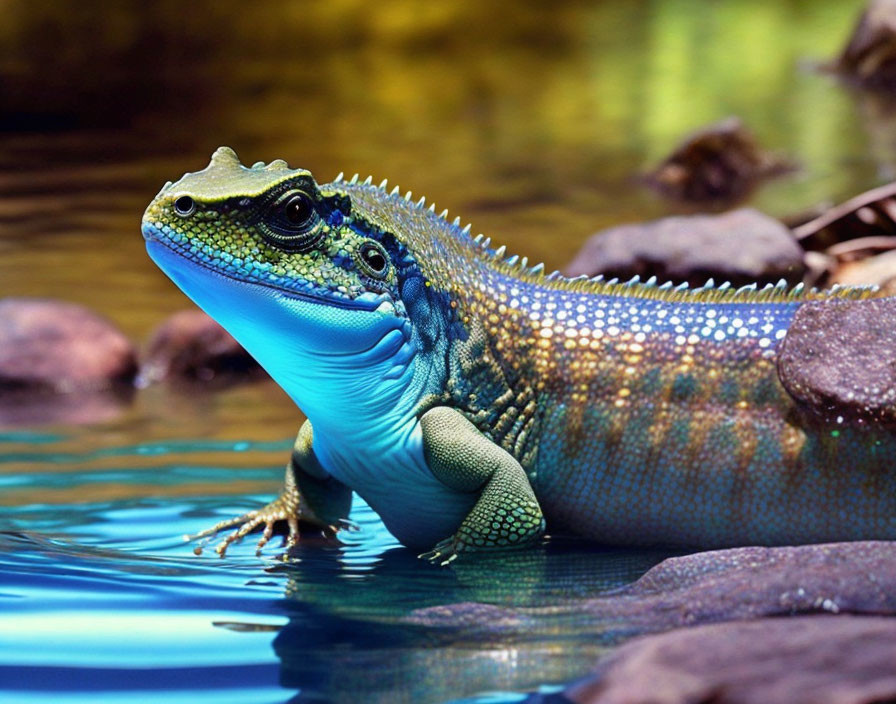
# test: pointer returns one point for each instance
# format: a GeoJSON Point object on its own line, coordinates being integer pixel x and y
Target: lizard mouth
{"type": "Point", "coordinates": [161, 236]}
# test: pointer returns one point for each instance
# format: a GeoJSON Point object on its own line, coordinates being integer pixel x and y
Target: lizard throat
{"type": "Point", "coordinates": [320, 354]}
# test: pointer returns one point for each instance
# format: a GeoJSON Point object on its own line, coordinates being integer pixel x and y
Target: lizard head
{"type": "Point", "coordinates": [289, 267]}
{"type": "Point", "coordinates": [273, 226]}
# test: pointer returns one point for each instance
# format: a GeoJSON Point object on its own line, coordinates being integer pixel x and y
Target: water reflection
{"type": "Point", "coordinates": [351, 630]}
{"type": "Point", "coordinates": [338, 621]}
{"type": "Point", "coordinates": [31, 409]}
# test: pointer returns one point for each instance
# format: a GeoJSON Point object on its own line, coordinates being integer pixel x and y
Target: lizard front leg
{"type": "Point", "coordinates": [506, 514]}
{"type": "Point", "coordinates": [309, 495]}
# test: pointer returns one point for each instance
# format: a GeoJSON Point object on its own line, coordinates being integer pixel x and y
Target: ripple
{"type": "Point", "coordinates": [102, 596]}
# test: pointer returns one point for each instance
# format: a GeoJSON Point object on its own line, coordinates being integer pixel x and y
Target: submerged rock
{"type": "Point", "coordinates": [191, 346]}
{"type": "Point", "coordinates": [54, 346]}
{"type": "Point", "coordinates": [805, 660]}
{"type": "Point", "coordinates": [741, 246]}
{"type": "Point", "coordinates": [870, 56]}
{"type": "Point", "coordinates": [707, 587]}
{"type": "Point", "coordinates": [720, 162]}
{"type": "Point", "coordinates": [839, 359]}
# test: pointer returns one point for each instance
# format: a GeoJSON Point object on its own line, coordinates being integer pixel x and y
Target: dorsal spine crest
{"type": "Point", "coordinates": [515, 266]}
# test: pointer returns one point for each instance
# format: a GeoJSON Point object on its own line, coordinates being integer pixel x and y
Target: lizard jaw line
{"type": "Point", "coordinates": [370, 302]}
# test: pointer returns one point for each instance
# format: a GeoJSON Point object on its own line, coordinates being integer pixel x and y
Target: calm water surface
{"type": "Point", "coordinates": [531, 122]}
{"type": "Point", "coordinates": [101, 598]}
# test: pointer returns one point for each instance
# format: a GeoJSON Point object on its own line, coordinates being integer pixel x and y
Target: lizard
{"type": "Point", "coordinates": [475, 401]}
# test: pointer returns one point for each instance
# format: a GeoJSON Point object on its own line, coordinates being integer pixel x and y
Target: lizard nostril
{"type": "Point", "coordinates": [184, 206]}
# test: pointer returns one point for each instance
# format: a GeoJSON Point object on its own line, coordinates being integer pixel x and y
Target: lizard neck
{"type": "Point", "coordinates": [352, 372]}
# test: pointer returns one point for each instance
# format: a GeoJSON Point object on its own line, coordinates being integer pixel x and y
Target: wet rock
{"type": "Point", "coordinates": [191, 346]}
{"type": "Point", "coordinates": [806, 660]}
{"type": "Point", "coordinates": [839, 359]}
{"type": "Point", "coordinates": [741, 246]}
{"type": "Point", "coordinates": [707, 587]}
{"type": "Point", "coordinates": [870, 56]}
{"type": "Point", "coordinates": [55, 346]}
{"type": "Point", "coordinates": [721, 162]}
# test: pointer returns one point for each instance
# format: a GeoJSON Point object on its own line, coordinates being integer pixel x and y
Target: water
{"type": "Point", "coordinates": [101, 599]}
{"type": "Point", "coordinates": [529, 120]}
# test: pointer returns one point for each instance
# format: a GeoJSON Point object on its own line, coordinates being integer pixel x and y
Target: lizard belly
{"type": "Point", "coordinates": [393, 478]}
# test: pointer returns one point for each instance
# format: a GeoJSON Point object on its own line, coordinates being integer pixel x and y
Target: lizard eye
{"type": "Point", "coordinates": [373, 260]}
{"type": "Point", "coordinates": [299, 210]}
{"type": "Point", "coordinates": [293, 223]}
{"type": "Point", "coordinates": [184, 206]}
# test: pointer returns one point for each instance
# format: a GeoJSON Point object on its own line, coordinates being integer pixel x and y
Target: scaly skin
{"type": "Point", "coordinates": [468, 398]}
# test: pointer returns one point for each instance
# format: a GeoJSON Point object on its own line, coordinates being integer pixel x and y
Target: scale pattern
{"type": "Point", "coordinates": [638, 413]}
{"type": "Point", "coordinates": [646, 414]}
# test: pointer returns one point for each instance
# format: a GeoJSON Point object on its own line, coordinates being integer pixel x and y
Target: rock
{"type": "Point", "coordinates": [870, 56]}
{"type": "Point", "coordinates": [742, 246]}
{"type": "Point", "coordinates": [707, 587]}
{"type": "Point", "coordinates": [55, 346]}
{"type": "Point", "coordinates": [806, 660]}
{"type": "Point", "coordinates": [190, 346]}
{"type": "Point", "coordinates": [839, 359]}
{"type": "Point", "coordinates": [720, 162]}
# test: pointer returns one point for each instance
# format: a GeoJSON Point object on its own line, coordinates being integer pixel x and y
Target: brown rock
{"type": "Point", "coordinates": [56, 346]}
{"type": "Point", "coordinates": [870, 56]}
{"type": "Point", "coordinates": [806, 660]}
{"type": "Point", "coordinates": [839, 359]}
{"type": "Point", "coordinates": [191, 346]}
{"type": "Point", "coordinates": [721, 162]}
{"type": "Point", "coordinates": [707, 587]}
{"type": "Point", "coordinates": [741, 246]}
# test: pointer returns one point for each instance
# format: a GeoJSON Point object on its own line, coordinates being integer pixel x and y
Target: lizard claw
{"type": "Point", "coordinates": [443, 554]}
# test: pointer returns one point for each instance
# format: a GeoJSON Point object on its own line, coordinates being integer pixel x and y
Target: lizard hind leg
{"type": "Point", "coordinates": [506, 514]}
{"type": "Point", "coordinates": [309, 496]}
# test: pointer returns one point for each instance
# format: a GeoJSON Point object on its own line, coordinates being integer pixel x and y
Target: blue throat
{"type": "Point", "coordinates": [348, 370]}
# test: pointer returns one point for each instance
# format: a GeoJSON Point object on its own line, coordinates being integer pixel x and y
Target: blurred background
{"type": "Point", "coordinates": [531, 120]}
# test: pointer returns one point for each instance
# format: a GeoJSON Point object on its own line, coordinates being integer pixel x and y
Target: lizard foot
{"type": "Point", "coordinates": [284, 508]}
